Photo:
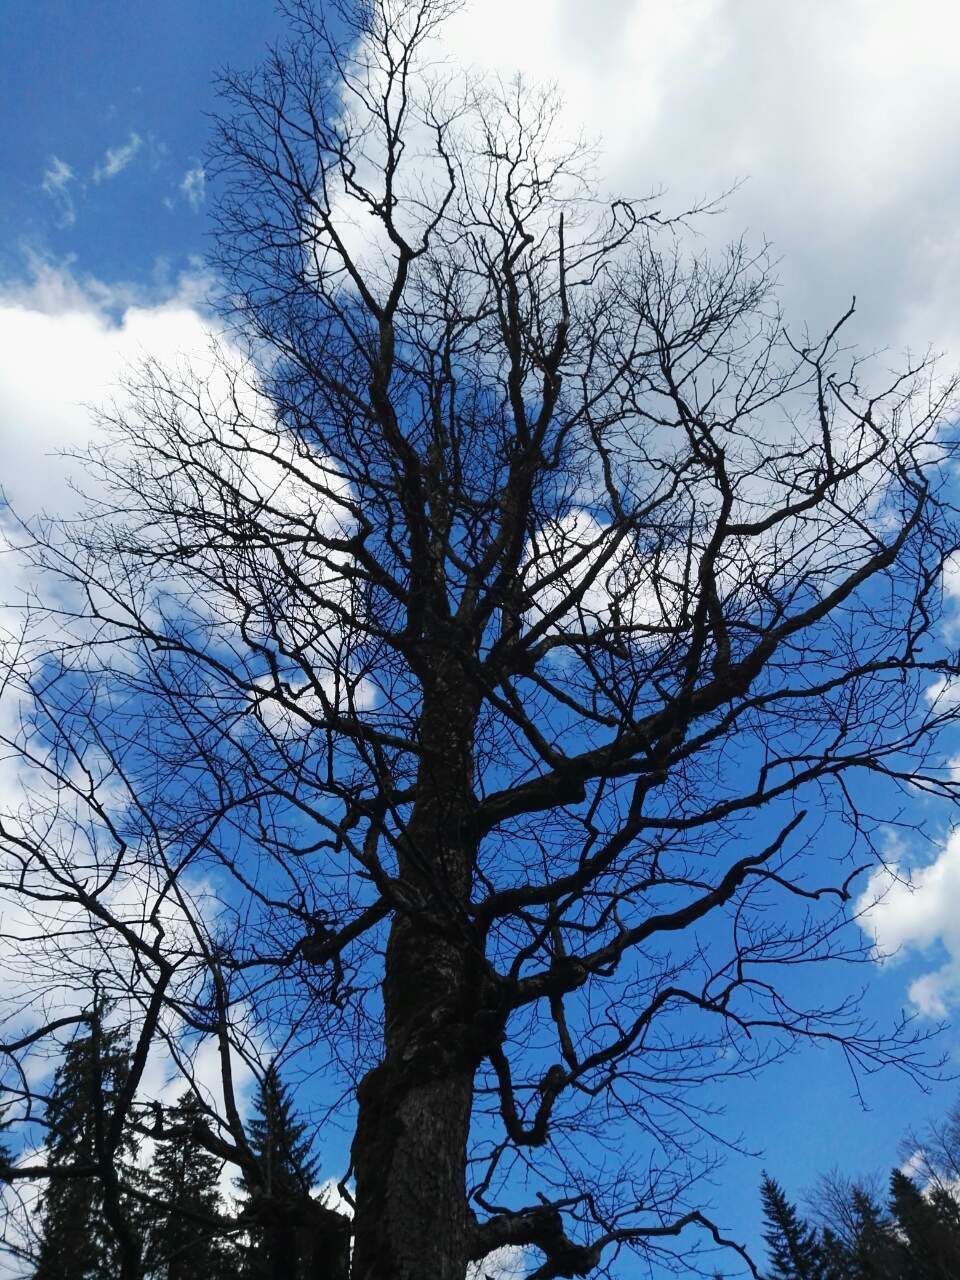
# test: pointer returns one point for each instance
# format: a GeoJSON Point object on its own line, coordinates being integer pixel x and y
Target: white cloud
{"type": "Point", "coordinates": [193, 187]}
{"type": "Point", "coordinates": [951, 577]}
{"type": "Point", "coordinates": [509, 1263]}
{"type": "Point", "coordinates": [57, 175]}
{"type": "Point", "coordinates": [907, 909]}
{"type": "Point", "coordinates": [944, 694]}
{"type": "Point", "coordinates": [915, 1164]}
{"type": "Point", "coordinates": [68, 345]}
{"type": "Point", "coordinates": [116, 159]}
{"type": "Point", "coordinates": [67, 342]}
{"type": "Point", "coordinates": [839, 116]}
{"type": "Point", "coordinates": [57, 178]}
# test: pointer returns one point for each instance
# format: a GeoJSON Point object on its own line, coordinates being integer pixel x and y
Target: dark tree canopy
{"type": "Point", "coordinates": [482, 677]}
{"type": "Point", "coordinates": [793, 1249]}
{"type": "Point", "coordinates": [284, 1243]}
{"type": "Point", "coordinates": [853, 1236]}
{"type": "Point", "coordinates": [184, 1237]}
{"type": "Point", "coordinates": [88, 1223]}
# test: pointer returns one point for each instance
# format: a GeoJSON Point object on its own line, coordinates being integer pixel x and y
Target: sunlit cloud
{"type": "Point", "coordinates": [116, 159]}
{"type": "Point", "coordinates": [913, 909]}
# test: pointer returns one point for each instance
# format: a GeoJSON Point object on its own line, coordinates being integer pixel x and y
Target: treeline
{"type": "Point", "coordinates": [173, 1207]}
{"type": "Point", "coordinates": [863, 1230]}
{"type": "Point", "coordinates": [168, 1201]}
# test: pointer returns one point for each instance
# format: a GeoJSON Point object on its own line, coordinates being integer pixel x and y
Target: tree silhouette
{"type": "Point", "coordinates": [185, 1236]}
{"type": "Point", "coordinates": [460, 666]}
{"type": "Point", "coordinates": [793, 1248]}
{"type": "Point", "coordinates": [89, 1228]}
{"type": "Point", "coordinates": [855, 1239]}
{"type": "Point", "coordinates": [928, 1228]}
{"type": "Point", "coordinates": [284, 1240]}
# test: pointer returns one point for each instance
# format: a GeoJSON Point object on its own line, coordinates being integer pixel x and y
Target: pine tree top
{"type": "Point", "coordinates": [280, 1141]}
{"type": "Point", "coordinates": [794, 1249]}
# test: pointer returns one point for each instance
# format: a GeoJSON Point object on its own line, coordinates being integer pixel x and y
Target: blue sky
{"type": "Point", "coordinates": [83, 81]}
{"type": "Point", "coordinates": [844, 127]}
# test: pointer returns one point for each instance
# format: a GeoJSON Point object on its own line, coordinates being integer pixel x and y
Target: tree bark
{"type": "Point", "coordinates": [410, 1148]}
{"type": "Point", "coordinates": [411, 1141]}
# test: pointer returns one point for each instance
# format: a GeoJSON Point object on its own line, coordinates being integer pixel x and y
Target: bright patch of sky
{"type": "Point", "coordinates": [104, 103]}
{"type": "Point", "coordinates": [839, 119]}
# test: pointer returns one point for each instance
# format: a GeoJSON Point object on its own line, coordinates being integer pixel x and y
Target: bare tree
{"type": "Point", "coordinates": [932, 1155]}
{"type": "Point", "coordinates": [480, 683]}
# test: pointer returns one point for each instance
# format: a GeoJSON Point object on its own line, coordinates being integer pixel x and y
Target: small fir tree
{"type": "Point", "coordinates": [877, 1252]}
{"type": "Point", "coordinates": [184, 1238]}
{"type": "Point", "coordinates": [947, 1206]}
{"type": "Point", "coordinates": [928, 1228]}
{"type": "Point", "coordinates": [793, 1246]}
{"type": "Point", "coordinates": [836, 1261]}
{"type": "Point", "coordinates": [78, 1235]}
{"type": "Point", "coordinates": [281, 1244]}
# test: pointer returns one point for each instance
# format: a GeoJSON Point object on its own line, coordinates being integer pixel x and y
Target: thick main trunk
{"type": "Point", "coordinates": [410, 1164]}
{"type": "Point", "coordinates": [410, 1148]}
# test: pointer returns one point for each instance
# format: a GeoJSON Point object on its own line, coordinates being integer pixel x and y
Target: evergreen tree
{"type": "Point", "coordinates": [835, 1256]}
{"type": "Point", "coordinates": [929, 1229]}
{"type": "Point", "coordinates": [947, 1206]}
{"type": "Point", "coordinates": [281, 1241]}
{"type": "Point", "coordinates": [184, 1241]}
{"type": "Point", "coordinates": [877, 1252]}
{"type": "Point", "coordinates": [916, 1238]}
{"type": "Point", "coordinates": [793, 1245]}
{"type": "Point", "coordinates": [78, 1240]}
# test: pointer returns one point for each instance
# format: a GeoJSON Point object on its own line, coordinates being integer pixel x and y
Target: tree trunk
{"type": "Point", "coordinates": [410, 1148]}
